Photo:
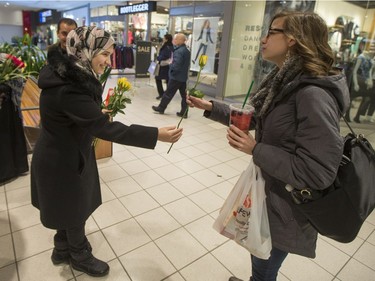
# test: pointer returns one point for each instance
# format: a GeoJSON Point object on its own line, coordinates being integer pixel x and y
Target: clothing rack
{"type": "Point", "coordinates": [122, 57]}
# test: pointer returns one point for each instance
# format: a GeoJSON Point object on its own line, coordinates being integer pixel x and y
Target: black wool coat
{"type": "Point", "coordinates": [64, 176]}
{"type": "Point", "coordinates": [164, 54]}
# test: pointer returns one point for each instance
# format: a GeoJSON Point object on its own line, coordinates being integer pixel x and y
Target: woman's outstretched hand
{"type": "Point", "coordinates": [240, 140]}
{"type": "Point", "coordinates": [199, 103]}
{"type": "Point", "coordinates": [169, 134]}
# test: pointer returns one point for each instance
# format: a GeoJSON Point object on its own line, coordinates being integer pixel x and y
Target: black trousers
{"type": "Point", "coordinates": [159, 86]}
{"type": "Point", "coordinates": [173, 86]}
{"type": "Point", "coordinates": [73, 238]}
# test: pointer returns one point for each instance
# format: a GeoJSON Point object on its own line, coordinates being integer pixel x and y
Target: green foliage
{"type": "Point", "coordinates": [117, 102]}
{"type": "Point", "coordinates": [196, 93]}
{"type": "Point", "coordinates": [31, 55]}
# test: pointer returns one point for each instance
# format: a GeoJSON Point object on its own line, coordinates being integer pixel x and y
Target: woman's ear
{"type": "Point", "coordinates": [291, 42]}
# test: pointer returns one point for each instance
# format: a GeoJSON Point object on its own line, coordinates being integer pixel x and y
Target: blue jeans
{"type": "Point", "coordinates": [266, 270]}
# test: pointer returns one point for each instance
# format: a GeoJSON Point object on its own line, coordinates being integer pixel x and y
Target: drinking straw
{"type": "Point", "coordinates": [248, 94]}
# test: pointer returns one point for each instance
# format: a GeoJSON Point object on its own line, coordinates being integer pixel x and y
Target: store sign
{"type": "Point", "coordinates": [137, 8]}
{"type": "Point", "coordinates": [43, 15]}
{"type": "Point", "coordinates": [142, 59]}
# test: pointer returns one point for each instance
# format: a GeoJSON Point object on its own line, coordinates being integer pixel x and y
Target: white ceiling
{"type": "Point", "coordinates": [59, 5]}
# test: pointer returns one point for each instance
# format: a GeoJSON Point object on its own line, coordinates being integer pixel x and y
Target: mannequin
{"type": "Point", "coordinates": [363, 85]}
{"type": "Point", "coordinates": [205, 36]}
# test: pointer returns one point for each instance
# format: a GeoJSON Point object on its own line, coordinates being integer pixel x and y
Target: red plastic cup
{"type": "Point", "coordinates": [241, 117]}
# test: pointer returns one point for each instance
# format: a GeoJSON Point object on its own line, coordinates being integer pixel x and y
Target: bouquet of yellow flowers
{"type": "Point", "coordinates": [118, 97]}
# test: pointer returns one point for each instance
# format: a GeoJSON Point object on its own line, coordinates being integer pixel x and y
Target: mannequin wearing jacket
{"type": "Point", "coordinates": [205, 37]}
{"type": "Point", "coordinates": [363, 85]}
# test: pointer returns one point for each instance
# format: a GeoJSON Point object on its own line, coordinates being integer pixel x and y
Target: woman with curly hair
{"type": "Point", "coordinates": [297, 134]}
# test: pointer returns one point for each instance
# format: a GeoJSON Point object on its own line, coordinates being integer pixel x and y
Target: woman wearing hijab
{"type": "Point", "coordinates": [64, 176]}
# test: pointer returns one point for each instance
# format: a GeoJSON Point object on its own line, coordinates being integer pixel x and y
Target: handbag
{"type": "Point", "coordinates": [154, 68]}
{"type": "Point", "coordinates": [339, 211]}
{"type": "Point", "coordinates": [165, 62]}
{"type": "Point", "coordinates": [243, 217]}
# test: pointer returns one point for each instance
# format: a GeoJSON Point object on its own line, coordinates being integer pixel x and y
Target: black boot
{"type": "Point", "coordinates": [182, 114]}
{"type": "Point", "coordinates": [85, 261]}
{"type": "Point", "coordinates": [60, 253]}
{"type": "Point", "coordinates": [236, 279]}
{"type": "Point", "coordinates": [157, 109]}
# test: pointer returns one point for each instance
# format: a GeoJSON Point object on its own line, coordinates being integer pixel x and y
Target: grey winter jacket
{"type": "Point", "coordinates": [298, 143]}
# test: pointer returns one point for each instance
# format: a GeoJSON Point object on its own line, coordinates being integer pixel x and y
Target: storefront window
{"type": "Point", "coordinates": [102, 11]}
{"type": "Point", "coordinates": [138, 27]}
{"type": "Point", "coordinates": [204, 31]}
{"type": "Point", "coordinates": [94, 12]}
{"type": "Point", "coordinates": [80, 15]}
{"type": "Point", "coordinates": [205, 40]}
{"type": "Point", "coordinates": [351, 37]}
{"type": "Point", "coordinates": [244, 49]}
{"type": "Point", "coordinates": [181, 3]}
{"type": "Point", "coordinates": [112, 11]}
{"type": "Point", "coordinates": [159, 27]}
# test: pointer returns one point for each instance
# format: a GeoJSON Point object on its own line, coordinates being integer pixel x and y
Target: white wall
{"type": "Point", "coordinates": [11, 24]}
{"type": "Point", "coordinates": [10, 17]}
{"type": "Point", "coordinates": [8, 31]}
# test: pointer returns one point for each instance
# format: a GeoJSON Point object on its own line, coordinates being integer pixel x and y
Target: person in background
{"type": "Point", "coordinates": [297, 133]}
{"type": "Point", "coordinates": [64, 26]}
{"type": "Point", "coordinates": [65, 183]}
{"type": "Point", "coordinates": [165, 54]}
{"type": "Point", "coordinates": [178, 75]}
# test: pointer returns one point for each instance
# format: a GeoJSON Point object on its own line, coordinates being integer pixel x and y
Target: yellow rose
{"type": "Point", "coordinates": [123, 84]}
{"type": "Point", "coordinates": [203, 60]}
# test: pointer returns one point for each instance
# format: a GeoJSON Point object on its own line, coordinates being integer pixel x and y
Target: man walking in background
{"type": "Point", "coordinates": [178, 75]}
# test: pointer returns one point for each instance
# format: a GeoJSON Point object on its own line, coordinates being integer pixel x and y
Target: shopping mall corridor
{"type": "Point", "coordinates": [156, 219]}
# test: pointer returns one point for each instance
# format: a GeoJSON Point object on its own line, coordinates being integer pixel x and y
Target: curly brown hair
{"type": "Point", "coordinates": [310, 33]}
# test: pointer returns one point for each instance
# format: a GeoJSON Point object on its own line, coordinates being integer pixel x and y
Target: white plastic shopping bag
{"type": "Point", "coordinates": [243, 217]}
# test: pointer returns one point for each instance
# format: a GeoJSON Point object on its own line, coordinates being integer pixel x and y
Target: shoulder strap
{"type": "Point", "coordinates": [342, 115]}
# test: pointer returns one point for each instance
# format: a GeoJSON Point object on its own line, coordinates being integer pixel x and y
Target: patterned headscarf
{"type": "Point", "coordinates": [87, 42]}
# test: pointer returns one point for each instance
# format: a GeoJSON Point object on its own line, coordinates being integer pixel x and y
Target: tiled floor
{"type": "Point", "coordinates": [156, 219]}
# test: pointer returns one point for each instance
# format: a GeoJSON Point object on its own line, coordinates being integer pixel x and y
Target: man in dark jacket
{"type": "Point", "coordinates": [64, 26]}
{"type": "Point", "coordinates": [178, 75]}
